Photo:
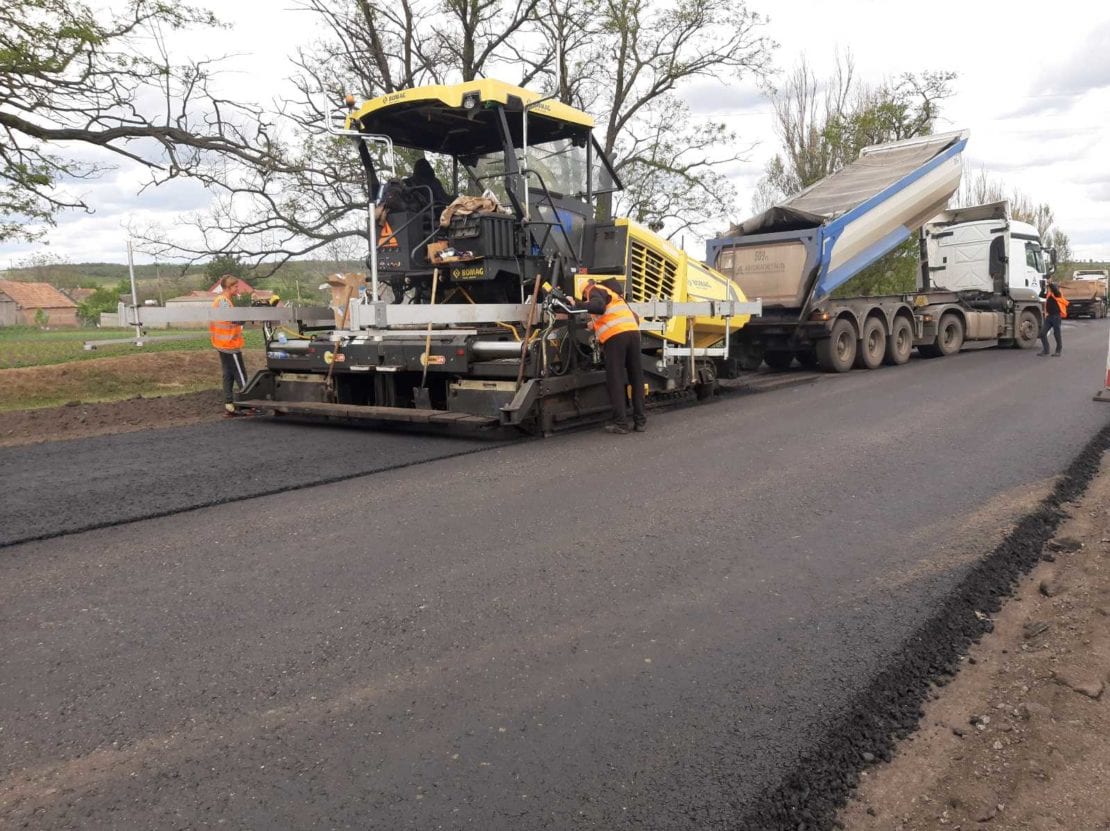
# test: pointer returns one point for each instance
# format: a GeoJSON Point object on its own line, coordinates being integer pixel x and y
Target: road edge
{"type": "Point", "coordinates": [890, 708]}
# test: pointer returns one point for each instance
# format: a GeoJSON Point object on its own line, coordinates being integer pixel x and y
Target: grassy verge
{"type": "Point", "coordinates": [23, 346]}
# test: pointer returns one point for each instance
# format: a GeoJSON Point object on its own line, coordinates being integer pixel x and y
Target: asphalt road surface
{"type": "Point", "coordinates": [584, 632]}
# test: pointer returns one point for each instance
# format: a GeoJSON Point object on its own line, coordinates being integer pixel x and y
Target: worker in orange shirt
{"type": "Point", "coordinates": [1055, 310]}
{"type": "Point", "coordinates": [227, 339]}
{"type": "Point", "coordinates": [618, 331]}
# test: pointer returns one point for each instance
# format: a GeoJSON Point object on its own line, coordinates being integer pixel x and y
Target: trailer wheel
{"type": "Point", "coordinates": [1027, 330]}
{"type": "Point", "coordinates": [778, 361]}
{"type": "Point", "coordinates": [950, 338]}
{"type": "Point", "coordinates": [899, 344]}
{"type": "Point", "coordinates": [837, 353]}
{"type": "Point", "coordinates": [872, 345]}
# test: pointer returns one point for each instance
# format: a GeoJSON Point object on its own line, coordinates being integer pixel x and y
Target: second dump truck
{"type": "Point", "coordinates": [980, 278]}
{"type": "Point", "coordinates": [1086, 292]}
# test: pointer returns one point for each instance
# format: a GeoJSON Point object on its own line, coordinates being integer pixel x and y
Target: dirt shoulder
{"type": "Point", "coordinates": [79, 420]}
{"type": "Point", "coordinates": [1018, 739]}
{"type": "Point", "coordinates": [110, 395]}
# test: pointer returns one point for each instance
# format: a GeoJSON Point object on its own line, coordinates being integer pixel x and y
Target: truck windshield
{"type": "Point", "coordinates": [1033, 257]}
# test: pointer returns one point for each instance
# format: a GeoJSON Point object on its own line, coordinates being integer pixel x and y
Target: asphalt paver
{"type": "Point", "coordinates": [646, 631]}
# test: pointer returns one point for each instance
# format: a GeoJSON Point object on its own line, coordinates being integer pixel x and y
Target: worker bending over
{"type": "Point", "coordinates": [618, 331]}
{"type": "Point", "coordinates": [227, 339]}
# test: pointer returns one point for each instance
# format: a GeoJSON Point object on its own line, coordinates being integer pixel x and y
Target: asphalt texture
{"type": "Point", "coordinates": [67, 486]}
{"type": "Point", "coordinates": [668, 630]}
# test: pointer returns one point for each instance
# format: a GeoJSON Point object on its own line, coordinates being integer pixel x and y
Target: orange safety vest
{"type": "Point", "coordinates": [226, 336]}
{"type": "Point", "coordinates": [1061, 304]}
{"type": "Point", "coordinates": [617, 319]}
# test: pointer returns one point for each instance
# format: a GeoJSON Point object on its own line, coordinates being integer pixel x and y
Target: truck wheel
{"type": "Point", "coordinates": [778, 361]}
{"type": "Point", "coordinates": [837, 353]}
{"type": "Point", "coordinates": [872, 345]}
{"type": "Point", "coordinates": [950, 337]}
{"type": "Point", "coordinates": [900, 343]}
{"type": "Point", "coordinates": [1027, 330]}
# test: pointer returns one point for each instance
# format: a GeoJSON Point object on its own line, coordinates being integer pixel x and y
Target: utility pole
{"type": "Point", "coordinates": [134, 295]}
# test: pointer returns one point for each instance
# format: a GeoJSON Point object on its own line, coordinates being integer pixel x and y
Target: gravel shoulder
{"type": "Point", "coordinates": [1017, 740]}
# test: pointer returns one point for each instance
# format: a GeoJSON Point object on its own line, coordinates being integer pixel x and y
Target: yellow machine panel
{"type": "Point", "coordinates": [655, 269]}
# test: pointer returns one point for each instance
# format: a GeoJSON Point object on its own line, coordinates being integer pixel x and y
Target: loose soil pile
{"type": "Point", "coordinates": [81, 420]}
{"type": "Point", "coordinates": [1019, 739]}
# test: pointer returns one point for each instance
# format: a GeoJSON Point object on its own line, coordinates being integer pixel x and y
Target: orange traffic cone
{"type": "Point", "coordinates": [1104, 393]}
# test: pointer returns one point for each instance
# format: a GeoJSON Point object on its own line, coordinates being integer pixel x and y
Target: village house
{"type": "Point", "coordinates": [34, 304]}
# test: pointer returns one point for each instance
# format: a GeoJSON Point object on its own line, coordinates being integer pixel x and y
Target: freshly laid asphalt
{"type": "Point", "coordinates": [62, 487]}
{"type": "Point", "coordinates": [585, 632]}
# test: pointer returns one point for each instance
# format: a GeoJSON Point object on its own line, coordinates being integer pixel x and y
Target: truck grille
{"type": "Point", "coordinates": [650, 274]}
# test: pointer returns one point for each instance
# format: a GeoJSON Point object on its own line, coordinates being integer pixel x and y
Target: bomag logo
{"type": "Point", "coordinates": [473, 272]}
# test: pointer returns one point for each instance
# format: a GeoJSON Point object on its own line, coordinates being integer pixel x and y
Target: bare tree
{"type": "Point", "coordinates": [638, 55]}
{"type": "Point", "coordinates": [308, 195]}
{"type": "Point", "coordinates": [625, 59]}
{"type": "Point", "coordinates": [104, 80]}
{"type": "Point", "coordinates": [1062, 243]}
{"type": "Point", "coordinates": [823, 124]}
{"type": "Point", "coordinates": [981, 188]}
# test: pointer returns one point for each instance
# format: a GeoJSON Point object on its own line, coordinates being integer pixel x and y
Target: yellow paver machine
{"type": "Point", "coordinates": [462, 321]}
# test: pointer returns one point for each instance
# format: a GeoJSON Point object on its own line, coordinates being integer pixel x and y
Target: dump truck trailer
{"type": "Point", "coordinates": [1086, 293]}
{"type": "Point", "coordinates": [979, 279]}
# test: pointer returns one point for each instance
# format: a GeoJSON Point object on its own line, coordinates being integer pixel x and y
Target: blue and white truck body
{"type": "Point", "coordinates": [796, 254]}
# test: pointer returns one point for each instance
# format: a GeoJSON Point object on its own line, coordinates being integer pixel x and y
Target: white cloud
{"type": "Point", "coordinates": [1086, 65]}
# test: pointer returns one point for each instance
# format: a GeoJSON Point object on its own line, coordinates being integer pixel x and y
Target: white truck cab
{"type": "Point", "coordinates": [982, 249]}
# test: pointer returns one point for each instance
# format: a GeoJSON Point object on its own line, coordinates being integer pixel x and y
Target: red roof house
{"type": "Point", "coordinates": [22, 303]}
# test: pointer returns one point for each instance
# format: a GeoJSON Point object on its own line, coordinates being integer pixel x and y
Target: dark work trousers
{"type": "Point", "coordinates": [622, 358]}
{"type": "Point", "coordinates": [1051, 324]}
{"type": "Point", "coordinates": [235, 373]}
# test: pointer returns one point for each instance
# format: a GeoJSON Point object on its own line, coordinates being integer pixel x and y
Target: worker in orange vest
{"type": "Point", "coordinates": [227, 339]}
{"type": "Point", "coordinates": [618, 331]}
{"type": "Point", "coordinates": [1055, 310]}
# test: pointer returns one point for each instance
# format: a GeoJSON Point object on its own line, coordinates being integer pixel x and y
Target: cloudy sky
{"type": "Point", "coordinates": [1033, 88]}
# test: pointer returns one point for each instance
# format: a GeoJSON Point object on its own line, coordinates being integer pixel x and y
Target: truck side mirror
{"type": "Point", "coordinates": [997, 259]}
{"type": "Point", "coordinates": [1049, 262]}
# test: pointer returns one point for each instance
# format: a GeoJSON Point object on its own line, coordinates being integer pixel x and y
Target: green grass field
{"type": "Point", "coordinates": [23, 346]}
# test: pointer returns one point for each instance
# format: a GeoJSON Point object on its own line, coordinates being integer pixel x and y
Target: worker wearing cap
{"type": "Point", "coordinates": [1055, 309]}
{"type": "Point", "coordinates": [227, 339]}
{"type": "Point", "coordinates": [618, 331]}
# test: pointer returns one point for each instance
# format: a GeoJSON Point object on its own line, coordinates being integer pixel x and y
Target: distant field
{"type": "Point", "coordinates": [28, 346]}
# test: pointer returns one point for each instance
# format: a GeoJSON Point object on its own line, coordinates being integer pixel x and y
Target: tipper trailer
{"type": "Point", "coordinates": [1086, 292]}
{"type": "Point", "coordinates": [980, 277]}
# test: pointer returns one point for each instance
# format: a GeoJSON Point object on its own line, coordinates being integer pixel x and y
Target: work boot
{"type": "Point", "coordinates": [1056, 354]}
{"type": "Point", "coordinates": [640, 428]}
{"type": "Point", "coordinates": [619, 429]}
{"type": "Point", "coordinates": [1042, 354]}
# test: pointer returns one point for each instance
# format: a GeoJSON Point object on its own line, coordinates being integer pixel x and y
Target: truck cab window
{"type": "Point", "coordinates": [1033, 257]}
